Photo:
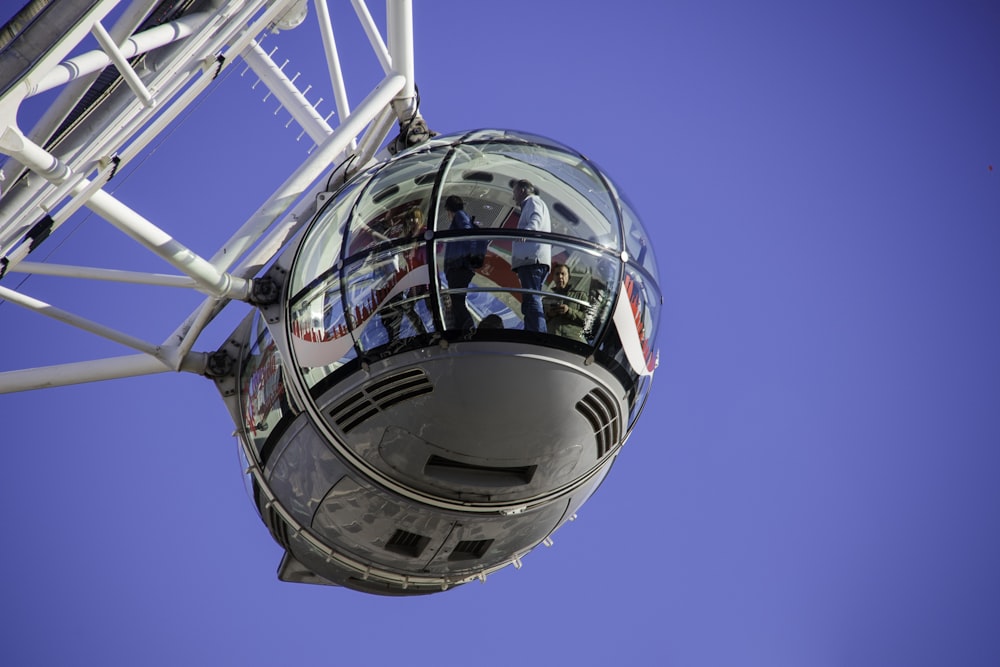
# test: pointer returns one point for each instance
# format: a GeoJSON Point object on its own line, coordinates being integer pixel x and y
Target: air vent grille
{"type": "Point", "coordinates": [379, 395]}
{"type": "Point", "coordinates": [407, 544]}
{"type": "Point", "coordinates": [279, 529]}
{"type": "Point", "coordinates": [599, 410]}
{"type": "Point", "coordinates": [470, 550]}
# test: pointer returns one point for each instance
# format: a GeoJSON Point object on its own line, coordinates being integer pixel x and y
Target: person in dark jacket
{"type": "Point", "coordinates": [562, 316]}
{"type": "Point", "coordinates": [457, 271]}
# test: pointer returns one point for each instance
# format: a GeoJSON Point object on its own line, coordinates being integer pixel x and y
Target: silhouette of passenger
{"type": "Point", "coordinates": [530, 259]}
{"type": "Point", "coordinates": [491, 321]}
{"type": "Point", "coordinates": [457, 271]}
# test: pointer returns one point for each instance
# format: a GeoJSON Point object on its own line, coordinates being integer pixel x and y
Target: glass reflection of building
{"type": "Point", "coordinates": [401, 408]}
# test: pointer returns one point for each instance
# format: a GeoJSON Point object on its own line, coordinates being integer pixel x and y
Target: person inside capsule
{"type": "Point", "coordinates": [531, 259]}
{"type": "Point", "coordinates": [565, 316]}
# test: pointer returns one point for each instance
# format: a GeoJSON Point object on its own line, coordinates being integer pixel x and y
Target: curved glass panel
{"type": "Point", "coordinates": [262, 386]}
{"type": "Point", "coordinates": [637, 400]}
{"type": "Point", "coordinates": [493, 296]}
{"type": "Point", "coordinates": [642, 297]}
{"type": "Point", "coordinates": [389, 200]}
{"type": "Point", "coordinates": [483, 174]}
{"type": "Point", "coordinates": [637, 241]}
{"type": "Point", "coordinates": [322, 249]}
{"type": "Point", "coordinates": [579, 202]}
{"type": "Point", "coordinates": [387, 297]}
{"type": "Point", "coordinates": [400, 285]}
{"type": "Point", "coordinates": [321, 341]}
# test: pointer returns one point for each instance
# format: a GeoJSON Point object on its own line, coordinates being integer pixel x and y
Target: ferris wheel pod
{"type": "Point", "coordinates": [384, 434]}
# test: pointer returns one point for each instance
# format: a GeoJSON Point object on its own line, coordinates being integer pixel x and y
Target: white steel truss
{"type": "Point", "coordinates": [46, 181]}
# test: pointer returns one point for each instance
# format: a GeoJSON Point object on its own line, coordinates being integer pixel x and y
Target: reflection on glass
{"type": "Point", "coordinates": [494, 295]}
{"type": "Point", "coordinates": [263, 388]}
{"type": "Point", "coordinates": [386, 297]}
{"type": "Point", "coordinates": [393, 233]}
{"type": "Point", "coordinates": [579, 204]}
{"type": "Point", "coordinates": [579, 200]}
{"type": "Point", "coordinates": [636, 315]}
{"type": "Point", "coordinates": [644, 298]}
{"type": "Point", "coordinates": [391, 196]}
{"type": "Point", "coordinates": [320, 337]}
{"type": "Point", "coordinates": [322, 249]}
{"type": "Point", "coordinates": [637, 241]}
{"type": "Point", "coordinates": [637, 399]}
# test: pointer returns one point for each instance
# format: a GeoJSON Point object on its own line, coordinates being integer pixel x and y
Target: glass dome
{"type": "Point", "coordinates": [372, 275]}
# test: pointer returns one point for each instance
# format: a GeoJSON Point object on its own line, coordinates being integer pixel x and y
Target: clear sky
{"type": "Point", "coordinates": [814, 482]}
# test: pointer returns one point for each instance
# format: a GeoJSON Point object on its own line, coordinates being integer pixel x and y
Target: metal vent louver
{"type": "Point", "coordinates": [379, 395]}
{"type": "Point", "coordinates": [470, 550]}
{"type": "Point", "coordinates": [407, 544]}
{"type": "Point", "coordinates": [278, 527]}
{"type": "Point", "coordinates": [599, 409]}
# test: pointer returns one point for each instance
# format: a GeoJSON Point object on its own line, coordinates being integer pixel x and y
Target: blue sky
{"type": "Point", "coordinates": [814, 480]}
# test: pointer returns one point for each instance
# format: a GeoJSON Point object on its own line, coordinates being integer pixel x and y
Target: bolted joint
{"type": "Point", "coordinates": [410, 134]}
{"type": "Point", "coordinates": [219, 365]}
{"type": "Point", "coordinates": [263, 292]}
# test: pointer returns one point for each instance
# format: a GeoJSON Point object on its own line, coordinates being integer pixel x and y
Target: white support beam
{"type": "Point", "coordinates": [400, 28]}
{"type": "Point", "coordinates": [33, 156]}
{"type": "Point", "coordinates": [205, 313]}
{"type": "Point", "coordinates": [332, 58]}
{"type": "Point", "coordinates": [65, 188]}
{"type": "Point", "coordinates": [368, 23]}
{"type": "Point", "coordinates": [318, 162]}
{"type": "Point", "coordinates": [285, 91]}
{"type": "Point", "coordinates": [66, 317]}
{"type": "Point", "coordinates": [138, 228]}
{"type": "Point", "coordinates": [376, 134]}
{"type": "Point", "coordinates": [161, 244]}
{"type": "Point", "coordinates": [63, 375]}
{"type": "Point", "coordinates": [375, 106]}
{"type": "Point", "coordinates": [132, 79]}
{"type": "Point", "coordinates": [107, 275]}
{"type": "Point", "coordinates": [95, 61]}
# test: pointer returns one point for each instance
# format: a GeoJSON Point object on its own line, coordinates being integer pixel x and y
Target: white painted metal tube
{"type": "Point", "coordinates": [376, 134]}
{"type": "Point", "coordinates": [294, 101]}
{"type": "Point", "coordinates": [139, 229]}
{"type": "Point", "coordinates": [107, 275]}
{"type": "Point", "coordinates": [361, 9]}
{"type": "Point", "coordinates": [371, 107]}
{"type": "Point", "coordinates": [63, 375]}
{"type": "Point", "coordinates": [400, 28]}
{"type": "Point", "coordinates": [94, 61]}
{"type": "Point", "coordinates": [48, 310]}
{"type": "Point", "coordinates": [33, 156]}
{"type": "Point", "coordinates": [202, 317]}
{"type": "Point", "coordinates": [163, 245]}
{"type": "Point", "coordinates": [311, 169]}
{"type": "Point", "coordinates": [120, 60]}
{"type": "Point", "coordinates": [332, 59]}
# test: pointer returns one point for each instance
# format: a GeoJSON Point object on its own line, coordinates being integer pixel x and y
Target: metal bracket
{"type": "Point", "coordinates": [219, 365]}
{"type": "Point", "coordinates": [264, 291]}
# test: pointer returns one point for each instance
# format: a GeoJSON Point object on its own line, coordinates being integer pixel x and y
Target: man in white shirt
{"type": "Point", "coordinates": [530, 258]}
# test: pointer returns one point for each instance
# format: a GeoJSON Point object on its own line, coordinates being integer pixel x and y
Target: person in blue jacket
{"type": "Point", "coordinates": [457, 270]}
